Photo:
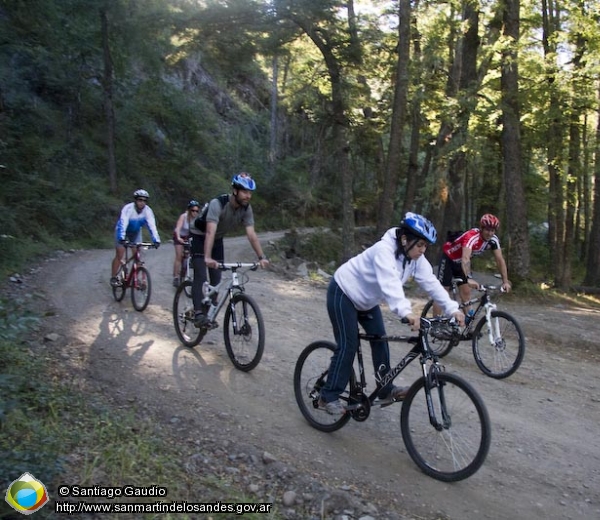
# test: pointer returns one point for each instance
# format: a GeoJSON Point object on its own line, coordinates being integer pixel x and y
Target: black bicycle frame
{"type": "Point", "coordinates": [394, 372]}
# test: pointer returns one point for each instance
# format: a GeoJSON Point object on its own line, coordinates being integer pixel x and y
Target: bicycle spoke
{"type": "Point", "coordinates": [141, 289]}
{"type": "Point", "coordinates": [457, 449]}
{"type": "Point", "coordinates": [498, 352]}
{"type": "Point", "coordinates": [244, 332]}
{"type": "Point", "coordinates": [309, 377]}
{"type": "Point", "coordinates": [183, 316]}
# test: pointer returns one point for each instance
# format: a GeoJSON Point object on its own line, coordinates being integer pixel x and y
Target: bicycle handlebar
{"type": "Point", "coordinates": [139, 244]}
{"type": "Point", "coordinates": [232, 266]}
{"type": "Point", "coordinates": [483, 288]}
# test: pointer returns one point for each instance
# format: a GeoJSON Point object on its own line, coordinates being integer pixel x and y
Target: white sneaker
{"type": "Point", "coordinates": [333, 408]}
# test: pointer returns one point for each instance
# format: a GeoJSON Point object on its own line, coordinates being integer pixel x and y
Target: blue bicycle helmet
{"type": "Point", "coordinates": [243, 181]}
{"type": "Point", "coordinates": [193, 203]}
{"type": "Point", "coordinates": [419, 226]}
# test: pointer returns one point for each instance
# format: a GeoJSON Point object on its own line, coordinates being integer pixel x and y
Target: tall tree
{"type": "Point", "coordinates": [339, 47]}
{"type": "Point", "coordinates": [592, 274]}
{"type": "Point", "coordinates": [394, 167]}
{"type": "Point", "coordinates": [516, 217]}
{"type": "Point", "coordinates": [109, 111]}
{"type": "Point", "coordinates": [555, 130]}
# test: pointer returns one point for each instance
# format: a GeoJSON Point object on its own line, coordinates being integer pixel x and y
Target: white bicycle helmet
{"type": "Point", "coordinates": [141, 194]}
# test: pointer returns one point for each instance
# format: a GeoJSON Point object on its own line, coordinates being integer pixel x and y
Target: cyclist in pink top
{"type": "Point", "coordinates": [456, 259]}
{"type": "Point", "coordinates": [181, 234]}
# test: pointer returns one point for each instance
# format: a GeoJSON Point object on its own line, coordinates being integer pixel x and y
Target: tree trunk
{"type": "Point", "coordinates": [592, 275]}
{"type": "Point", "coordinates": [394, 167]}
{"type": "Point", "coordinates": [321, 38]}
{"type": "Point", "coordinates": [274, 119]}
{"type": "Point", "coordinates": [551, 25]}
{"type": "Point", "coordinates": [467, 96]}
{"type": "Point", "coordinates": [412, 171]}
{"type": "Point", "coordinates": [516, 229]}
{"type": "Point", "coordinates": [109, 112]}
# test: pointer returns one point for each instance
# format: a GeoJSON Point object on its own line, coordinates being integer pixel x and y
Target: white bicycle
{"type": "Point", "coordinates": [243, 325]}
{"type": "Point", "coordinates": [497, 339]}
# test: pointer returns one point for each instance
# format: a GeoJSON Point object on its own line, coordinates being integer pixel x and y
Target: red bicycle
{"type": "Point", "coordinates": [133, 274]}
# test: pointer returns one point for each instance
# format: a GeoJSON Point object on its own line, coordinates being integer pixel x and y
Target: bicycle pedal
{"type": "Point", "coordinates": [383, 403]}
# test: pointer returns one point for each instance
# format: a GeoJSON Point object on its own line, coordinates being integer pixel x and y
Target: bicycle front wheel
{"type": "Point", "coordinates": [119, 290]}
{"type": "Point", "coordinates": [244, 332]}
{"type": "Point", "coordinates": [440, 341]}
{"type": "Point", "coordinates": [185, 275]}
{"type": "Point", "coordinates": [453, 444]}
{"type": "Point", "coordinates": [141, 289]}
{"type": "Point", "coordinates": [310, 375]}
{"type": "Point", "coordinates": [498, 347]}
{"type": "Point", "coordinates": [183, 316]}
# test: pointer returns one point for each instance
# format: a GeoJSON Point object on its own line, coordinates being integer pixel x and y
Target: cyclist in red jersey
{"type": "Point", "coordinates": [456, 258]}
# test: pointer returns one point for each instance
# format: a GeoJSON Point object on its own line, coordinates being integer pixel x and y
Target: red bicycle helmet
{"type": "Point", "coordinates": [489, 221]}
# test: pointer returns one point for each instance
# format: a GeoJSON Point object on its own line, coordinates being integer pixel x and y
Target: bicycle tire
{"type": "Point", "coordinates": [184, 276]}
{"type": "Point", "coordinates": [440, 347]}
{"type": "Point", "coordinates": [454, 452]}
{"type": "Point", "coordinates": [183, 317]}
{"type": "Point", "coordinates": [309, 377]}
{"type": "Point", "coordinates": [141, 289]}
{"type": "Point", "coordinates": [119, 290]}
{"type": "Point", "coordinates": [504, 357]}
{"type": "Point", "coordinates": [245, 345]}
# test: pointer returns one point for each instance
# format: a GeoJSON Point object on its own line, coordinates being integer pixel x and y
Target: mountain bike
{"type": "Point", "coordinates": [243, 325]}
{"type": "Point", "coordinates": [134, 275]}
{"type": "Point", "coordinates": [444, 422]}
{"type": "Point", "coordinates": [185, 270]}
{"type": "Point", "coordinates": [497, 339]}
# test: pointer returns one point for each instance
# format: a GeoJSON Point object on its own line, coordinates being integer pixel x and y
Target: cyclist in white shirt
{"type": "Point", "coordinates": [134, 216]}
{"type": "Point", "coordinates": [356, 291]}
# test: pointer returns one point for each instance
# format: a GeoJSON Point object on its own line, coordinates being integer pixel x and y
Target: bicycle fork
{"type": "Point", "coordinates": [494, 334]}
{"type": "Point", "coordinates": [431, 382]}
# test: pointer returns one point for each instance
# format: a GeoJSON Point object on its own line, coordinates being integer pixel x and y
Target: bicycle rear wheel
{"type": "Point", "coordinates": [141, 289]}
{"type": "Point", "coordinates": [119, 290]}
{"type": "Point", "coordinates": [310, 375]}
{"type": "Point", "coordinates": [244, 332]}
{"type": "Point", "coordinates": [439, 341]}
{"type": "Point", "coordinates": [183, 316]}
{"type": "Point", "coordinates": [458, 446]}
{"type": "Point", "coordinates": [500, 355]}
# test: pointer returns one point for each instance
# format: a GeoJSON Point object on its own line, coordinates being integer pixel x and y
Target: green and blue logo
{"type": "Point", "coordinates": [26, 494]}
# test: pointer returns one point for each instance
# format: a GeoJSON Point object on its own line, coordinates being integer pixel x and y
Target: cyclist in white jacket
{"type": "Point", "coordinates": [360, 285]}
{"type": "Point", "coordinates": [132, 218]}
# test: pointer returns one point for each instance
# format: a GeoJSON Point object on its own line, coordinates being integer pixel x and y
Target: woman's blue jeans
{"type": "Point", "coordinates": [345, 319]}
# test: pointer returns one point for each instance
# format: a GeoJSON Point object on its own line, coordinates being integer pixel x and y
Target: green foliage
{"type": "Point", "coordinates": [191, 92]}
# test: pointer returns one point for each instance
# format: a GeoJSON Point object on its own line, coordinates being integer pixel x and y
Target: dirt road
{"type": "Point", "coordinates": [544, 462]}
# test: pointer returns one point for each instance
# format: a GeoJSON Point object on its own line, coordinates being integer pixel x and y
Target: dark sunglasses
{"type": "Point", "coordinates": [142, 199]}
{"type": "Point", "coordinates": [194, 210]}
